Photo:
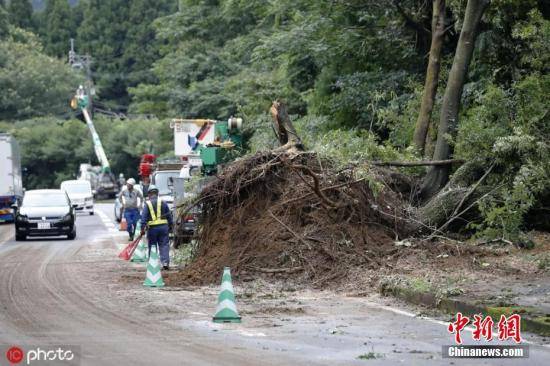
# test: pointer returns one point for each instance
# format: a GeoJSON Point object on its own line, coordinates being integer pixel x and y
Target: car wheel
{"type": "Point", "coordinates": [91, 213]}
{"type": "Point", "coordinates": [72, 235]}
{"type": "Point", "coordinates": [20, 237]}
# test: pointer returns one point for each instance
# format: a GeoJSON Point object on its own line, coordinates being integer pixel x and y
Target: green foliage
{"type": "Point", "coordinates": [227, 56]}
{"type": "Point", "coordinates": [60, 23]}
{"type": "Point", "coordinates": [4, 23]}
{"type": "Point", "coordinates": [370, 356]}
{"type": "Point", "coordinates": [141, 49]}
{"type": "Point", "coordinates": [52, 150]}
{"type": "Point", "coordinates": [346, 146]}
{"type": "Point", "coordinates": [512, 127]}
{"type": "Point", "coordinates": [20, 12]}
{"type": "Point", "coordinates": [31, 83]}
{"type": "Point", "coordinates": [120, 36]}
{"type": "Point", "coordinates": [351, 73]}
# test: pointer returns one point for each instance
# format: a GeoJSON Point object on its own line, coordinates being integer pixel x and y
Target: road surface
{"type": "Point", "coordinates": [61, 292]}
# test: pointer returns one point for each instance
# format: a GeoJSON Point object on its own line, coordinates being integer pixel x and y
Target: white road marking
{"type": "Point", "coordinates": [111, 227]}
{"type": "Point", "coordinates": [252, 334]}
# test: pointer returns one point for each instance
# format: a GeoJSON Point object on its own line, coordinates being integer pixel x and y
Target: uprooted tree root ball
{"type": "Point", "coordinates": [288, 213]}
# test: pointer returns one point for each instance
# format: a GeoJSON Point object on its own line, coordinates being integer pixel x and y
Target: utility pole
{"type": "Point", "coordinates": [83, 62]}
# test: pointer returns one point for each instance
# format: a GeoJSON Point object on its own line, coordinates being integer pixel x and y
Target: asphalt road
{"type": "Point", "coordinates": [50, 294]}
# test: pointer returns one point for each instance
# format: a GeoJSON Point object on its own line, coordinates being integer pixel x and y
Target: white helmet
{"type": "Point", "coordinates": [131, 181]}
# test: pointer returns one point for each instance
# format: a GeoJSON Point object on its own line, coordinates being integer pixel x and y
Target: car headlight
{"type": "Point", "coordinates": [67, 217]}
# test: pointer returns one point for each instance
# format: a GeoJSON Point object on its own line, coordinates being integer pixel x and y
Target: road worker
{"type": "Point", "coordinates": [157, 218]}
{"type": "Point", "coordinates": [131, 200]}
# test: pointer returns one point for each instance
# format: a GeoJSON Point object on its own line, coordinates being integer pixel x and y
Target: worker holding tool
{"type": "Point", "coordinates": [131, 199]}
{"type": "Point", "coordinates": [157, 218]}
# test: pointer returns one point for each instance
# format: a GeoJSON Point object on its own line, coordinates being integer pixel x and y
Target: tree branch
{"type": "Point", "coordinates": [418, 163]}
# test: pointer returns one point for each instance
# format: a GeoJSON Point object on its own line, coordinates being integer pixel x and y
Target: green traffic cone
{"type": "Point", "coordinates": [140, 254]}
{"type": "Point", "coordinates": [153, 277]}
{"type": "Point", "coordinates": [226, 312]}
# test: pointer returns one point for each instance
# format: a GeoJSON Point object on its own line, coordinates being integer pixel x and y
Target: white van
{"type": "Point", "coordinates": [80, 194]}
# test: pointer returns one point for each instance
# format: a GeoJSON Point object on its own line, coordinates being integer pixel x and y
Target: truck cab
{"type": "Point", "coordinates": [163, 179]}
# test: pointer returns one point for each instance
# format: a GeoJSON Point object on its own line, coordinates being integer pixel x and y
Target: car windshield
{"type": "Point", "coordinates": [161, 181]}
{"type": "Point", "coordinates": [77, 188]}
{"type": "Point", "coordinates": [45, 200]}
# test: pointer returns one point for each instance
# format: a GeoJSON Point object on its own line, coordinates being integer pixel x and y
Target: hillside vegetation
{"type": "Point", "coordinates": [363, 80]}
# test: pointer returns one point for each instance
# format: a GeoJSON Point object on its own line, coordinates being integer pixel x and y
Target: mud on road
{"type": "Point", "coordinates": [80, 293]}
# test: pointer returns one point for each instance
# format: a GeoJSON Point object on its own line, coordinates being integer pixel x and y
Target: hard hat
{"type": "Point", "coordinates": [153, 188]}
{"type": "Point", "coordinates": [131, 181]}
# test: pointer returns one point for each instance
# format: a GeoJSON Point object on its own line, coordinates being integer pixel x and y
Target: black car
{"type": "Point", "coordinates": [45, 212]}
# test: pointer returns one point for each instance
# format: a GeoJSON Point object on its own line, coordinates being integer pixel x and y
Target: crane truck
{"type": "Point", "coordinates": [101, 178]}
{"type": "Point", "coordinates": [203, 146]}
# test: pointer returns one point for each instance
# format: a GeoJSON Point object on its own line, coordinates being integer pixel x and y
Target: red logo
{"type": "Point", "coordinates": [508, 327]}
{"type": "Point", "coordinates": [483, 329]}
{"type": "Point", "coordinates": [458, 326]}
{"type": "Point", "coordinates": [15, 355]}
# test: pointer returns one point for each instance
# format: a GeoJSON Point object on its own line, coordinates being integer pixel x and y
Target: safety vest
{"type": "Point", "coordinates": [156, 218]}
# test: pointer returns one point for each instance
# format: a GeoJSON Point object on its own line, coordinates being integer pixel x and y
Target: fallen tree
{"type": "Point", "coordinates": [294, 210]}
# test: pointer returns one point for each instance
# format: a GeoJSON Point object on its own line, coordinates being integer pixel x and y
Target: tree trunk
{"type": "Point", "coordinates": [439, 175]}
{"type": "Point", "coordinates": [432, 76]}
{"type": "Point", "coordinates": [286, 133]}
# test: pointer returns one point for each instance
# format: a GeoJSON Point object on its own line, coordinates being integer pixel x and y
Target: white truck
{"type": "Point", "coordinates": [11, 183]}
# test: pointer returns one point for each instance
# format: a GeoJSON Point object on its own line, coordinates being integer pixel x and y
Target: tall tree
{"type": "Point", "coordinates": [102, 34]}
{"type": "Point", "coordinates": [31, 83]}
{"type": "Point", "coordinates": [3, 22]}
{"type": "Point", "coordinates": [118, 34]}
{"type": "Point", "coordinates": [142, 49]}
{"type": "Point", "coordinates": [438, 176]}
{"type": "Point", "coordinates": [432, 75]}
{"type": "Point", "coordinates": [60, 26]}
{"type": "Point", "coordinates": [20, 12]}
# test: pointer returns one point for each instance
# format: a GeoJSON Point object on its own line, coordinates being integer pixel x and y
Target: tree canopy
{"type": "Point", "coordinates": [32, 83]}
{"type": "Point", "coordinates": [351, 72]}
{"type": "Point", "coordinates": [20, 12]}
